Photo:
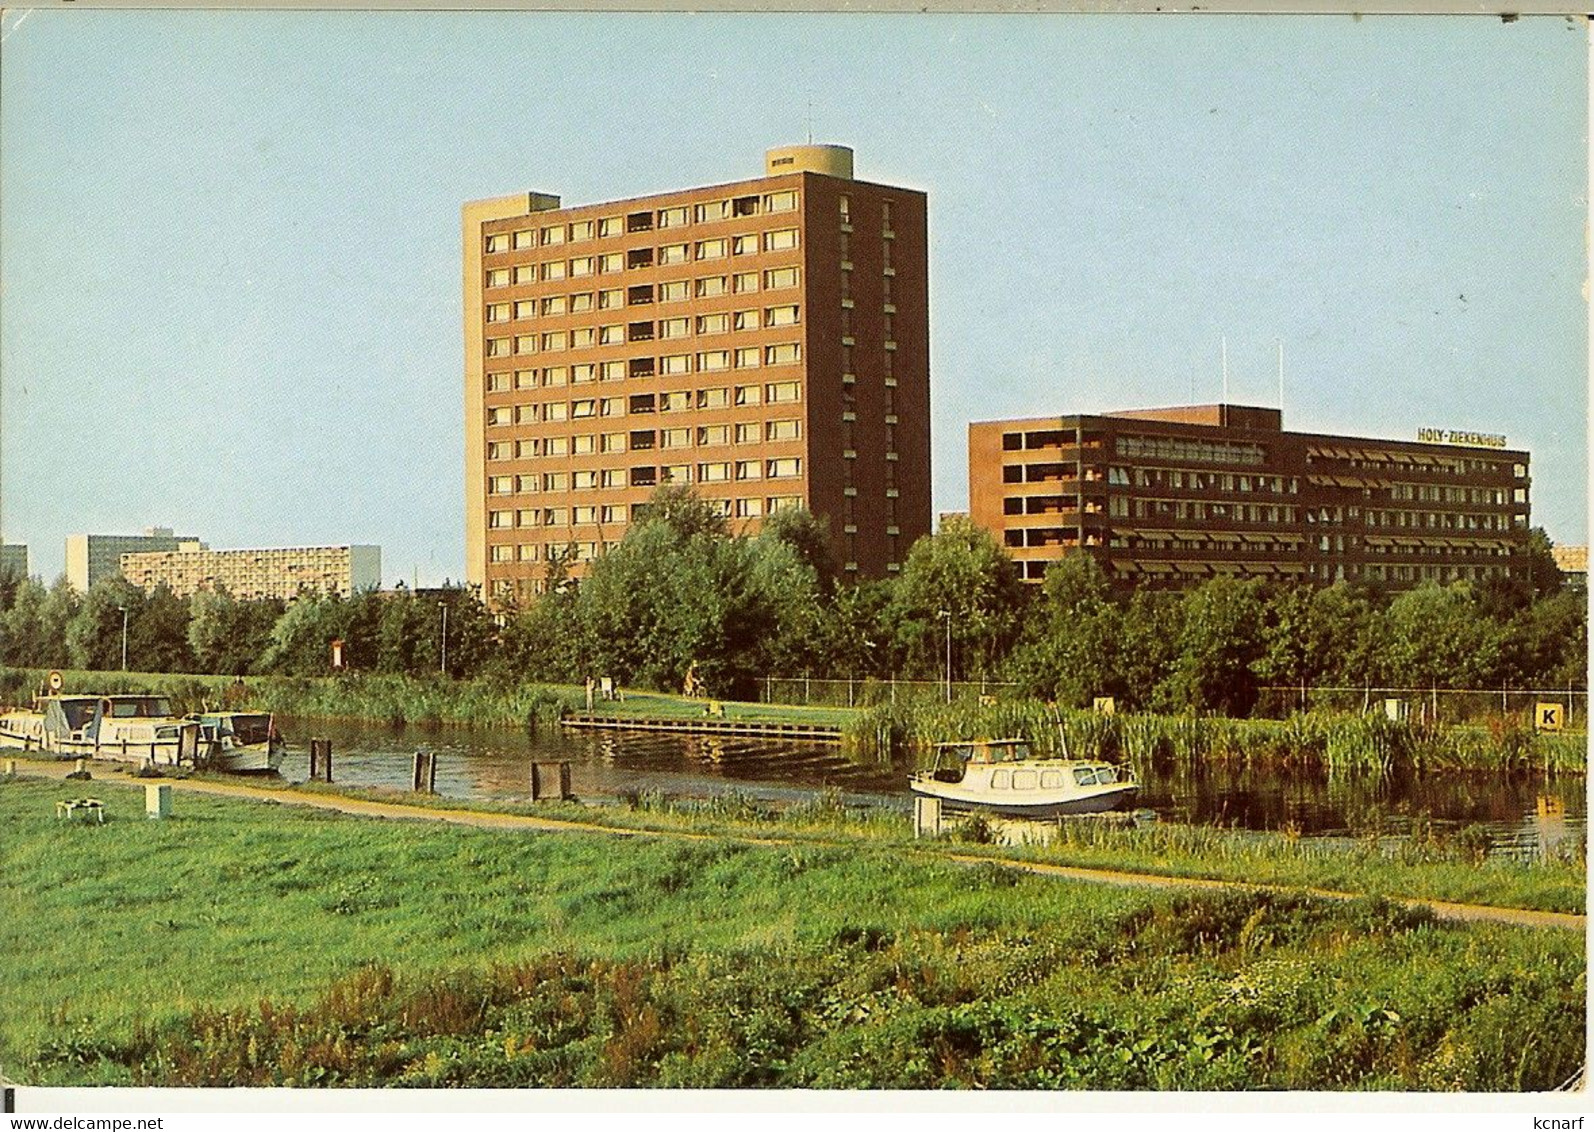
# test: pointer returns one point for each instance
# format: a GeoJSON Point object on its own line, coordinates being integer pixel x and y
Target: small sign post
{"type": "Point", "coordinates": [1105, 705]}
{"type": "Point", "coordinates": [1549, 716]}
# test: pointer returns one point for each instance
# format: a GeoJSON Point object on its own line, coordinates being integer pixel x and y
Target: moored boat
{"type": "Point", "coordinates": [999, 776]}
{"type": "Point", "coordinates": [239, 741]}
{"type": "Point", "coordinates": [128, 728]}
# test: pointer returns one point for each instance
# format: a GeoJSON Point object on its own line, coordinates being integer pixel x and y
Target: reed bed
{"type": "Point", "coordinates": [388, 699]}
{"type": "Point", "coordinates": [1338, 744]}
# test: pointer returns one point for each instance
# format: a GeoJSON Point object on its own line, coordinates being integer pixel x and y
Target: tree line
{"type": "Point", "coordinates": [680, 593]}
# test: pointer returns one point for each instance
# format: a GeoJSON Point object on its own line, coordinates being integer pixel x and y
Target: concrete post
{"type": "Point", "coordinates": [157, 801]}
{"type": "Point", "coordinates": [926, 817]}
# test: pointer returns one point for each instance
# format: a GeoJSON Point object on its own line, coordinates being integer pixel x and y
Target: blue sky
{"type": "Point", "coordinates": [229, 242]}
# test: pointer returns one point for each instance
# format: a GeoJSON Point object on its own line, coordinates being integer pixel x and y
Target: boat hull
{"type": "Point", "coordinates": [1107, 798]}
{"type": "Point", "coordinates": [253, 758]}
{"type": "Point", "coordinates": [162, 753]}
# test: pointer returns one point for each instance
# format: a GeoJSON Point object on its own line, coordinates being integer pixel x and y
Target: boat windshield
{"type": "Point", "coordinates": [140, 707]}
{"type": "Point", "coordinates": [994, 752]}
{"type": "Point", "coordinates": [1106, 774]}
{"type": "Point", "coordinates": [1085, 775]}
{"type": "Point", "coordinates": [78, 713]}
{"type": "Point", "coordinates": [251, 729]}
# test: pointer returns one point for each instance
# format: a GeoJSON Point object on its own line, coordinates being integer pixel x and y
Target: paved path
{"type": "Point", "coordinates": [1445, 910]}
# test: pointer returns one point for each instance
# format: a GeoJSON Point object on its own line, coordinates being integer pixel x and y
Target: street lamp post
{"type": "Point", "coordinates": [443, 665]}
{"type": "Point", "coordinates": [946, 615]}
{"type": "Point", "coordinates": [123, 609]}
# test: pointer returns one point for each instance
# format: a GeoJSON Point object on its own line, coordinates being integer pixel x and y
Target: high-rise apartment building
{"type": "Point", "coordinates": [765, 342]}
{"type": "Point", "coordinates": [92, 557]}
{"type": "Point", "coordinates": [280, 572]}
{"type": "Point", "coordinates": [14, 559]}
{"type": "Point", "coordinates": [1170, 497]}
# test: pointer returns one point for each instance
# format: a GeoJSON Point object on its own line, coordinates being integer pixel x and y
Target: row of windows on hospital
{"type": "Point", "coordinates": [1176, 509]}
{"type": "Point", "coordinates": [642, 440]}
{"type": "Point", "coordinates": [721, 471]}
{"type": "Point", "coordinates": [722, 397]}
{"type": "Point", "coordinates": [1384, 461]}
{"type": "Point", "coordinates": [642, 220]}
{"type": "Point", "coordinates": [1431, 573]}
{"type": "Point", "coordinates": [645, 330]}
{"type": "Point", "coordinates": [1182, 479]}
{"type": "Point", "coordinates": [617, 514]}
{"type": "Point", "coordinates": [665, 255]}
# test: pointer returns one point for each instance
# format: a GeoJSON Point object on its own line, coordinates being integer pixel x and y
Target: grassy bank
{"type": "Point", "coordinates": [1428, 865]}
{"type": "Point", "coordinates": [249, 944]}
{"type": "Point", "coordinates": [1332, 742]}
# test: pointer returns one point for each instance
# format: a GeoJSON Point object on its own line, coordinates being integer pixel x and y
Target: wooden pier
{"type": "Point", "coordinates": [811, 732]}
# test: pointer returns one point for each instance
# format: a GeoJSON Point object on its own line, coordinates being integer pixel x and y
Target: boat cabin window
{"type": "Point", "coordinates": [140, 707]}
{"type": "Point", "coordinates": [1085, 776]}
{"type": "Point", "coordinates": [1024, 779]}
{"type": "Point", "coordinates": [1001, 780]}
{"type": "Point", "coordinates": [1106, 774]}
{"type": "Point", "coordinates": [1051, 779]}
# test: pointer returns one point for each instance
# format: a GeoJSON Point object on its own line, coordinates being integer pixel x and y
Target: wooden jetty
{"type": "Point", "coordinates": [709, 725]}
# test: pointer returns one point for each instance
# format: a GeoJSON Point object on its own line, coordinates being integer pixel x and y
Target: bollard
{"type": "Point", "coordinates": [550, 781]}
{"type": "Point", "coordinates": [81, 766]}
{"type": "Point", "coordinates": [926, 817]}
{"type": "Point", "coordinates": [157, 801]}
{"type": "Point", "coordinates": [10, 767]}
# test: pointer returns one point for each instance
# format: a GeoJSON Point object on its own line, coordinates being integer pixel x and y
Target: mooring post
{"type": "Point", "coordinates": [321, 759]}
{"type": "Point", "coordinates": [81, 766]}
{"type": "Point", "coordinates": [425, 775]}
{"type": "Point", "coordinates": [926, 817]}
{"type": "Point", "coordinates": [10, 767]}
{"type": "Point", "coordinates": [550, 780]}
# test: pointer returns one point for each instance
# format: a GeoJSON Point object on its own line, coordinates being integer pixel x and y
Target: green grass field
{"type": "Point", "coordinates": [1430, 866]}
{"type": "Point", "coordinates": [241, 943]}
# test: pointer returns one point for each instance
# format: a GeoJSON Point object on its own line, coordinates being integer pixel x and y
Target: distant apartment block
{"type": "Point", "coordinates": [248, 574]}
{"type": "Point", "coordinates": [92, 557]}
{"type": "Point", "coordinates": [1169, 497]}
{"type": "Point", "coordinates": [764, 342]}
{"type": "Point", "coordinates": [14, 560]}
{"type": "Point", "coordinates": [1572, 561]}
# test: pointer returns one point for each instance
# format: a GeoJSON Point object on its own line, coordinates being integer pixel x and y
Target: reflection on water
{"type": "Point", "coordinates": [1527, 813]}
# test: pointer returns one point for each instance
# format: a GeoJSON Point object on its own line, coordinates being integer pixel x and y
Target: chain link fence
{"type": "Point", "coordinates": [867, 692]}
{"type": "Point", "coordinates": [1440, 705]}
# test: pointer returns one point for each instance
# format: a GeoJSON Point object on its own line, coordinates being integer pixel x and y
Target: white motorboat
{"type": "Point", "coordinates": [239, 741]}
{"type": "Point", "coordinates": [999, 776]}
{"type": "Point", "coordinates": [137, 729]}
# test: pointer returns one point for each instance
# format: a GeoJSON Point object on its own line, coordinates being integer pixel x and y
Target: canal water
{"type": "Point", "coordinates": [1519, 813]}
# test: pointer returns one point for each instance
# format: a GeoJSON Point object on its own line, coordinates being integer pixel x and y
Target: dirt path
{"type": "Point", "coordinates": [1445, 910]}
